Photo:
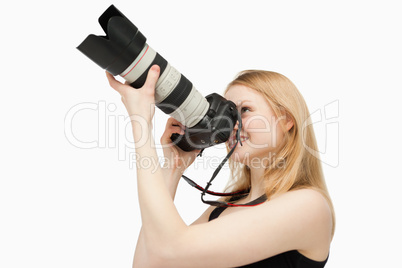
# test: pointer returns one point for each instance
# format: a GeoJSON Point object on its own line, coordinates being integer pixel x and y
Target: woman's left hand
{"type": "Point", "coordinates": [141, 101]}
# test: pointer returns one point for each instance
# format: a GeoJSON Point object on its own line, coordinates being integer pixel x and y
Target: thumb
{"type": "Point", "coordinates": [152, 78]}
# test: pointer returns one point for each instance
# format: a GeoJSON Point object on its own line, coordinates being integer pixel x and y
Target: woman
{"type": "Point", "coordinates": [292, 228]}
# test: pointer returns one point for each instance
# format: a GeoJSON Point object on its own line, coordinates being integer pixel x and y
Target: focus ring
{"type": "Point", "coordinates": [177, 96]}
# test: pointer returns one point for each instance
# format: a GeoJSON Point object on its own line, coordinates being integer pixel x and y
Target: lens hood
{"type": "Point", "coordinates": [121, 45]}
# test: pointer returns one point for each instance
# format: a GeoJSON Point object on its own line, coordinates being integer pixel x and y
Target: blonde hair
{"type": "Point", "coordinates": [296, 164]}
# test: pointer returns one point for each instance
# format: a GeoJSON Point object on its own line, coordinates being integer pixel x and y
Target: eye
{"type": "Point", "coordinates": [244, 109]}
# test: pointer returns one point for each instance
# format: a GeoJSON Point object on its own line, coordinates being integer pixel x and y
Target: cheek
{"type": "Point", "coordinates": [263, 133]}
{"type": "Point", "coordinates": [260, 131]}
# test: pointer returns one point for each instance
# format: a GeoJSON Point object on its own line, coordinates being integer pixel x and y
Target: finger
{"type": "Point", "coordinates": [176, 129]}
{"type": "Point", "coordinates": [171, 130]}
{"type": "Point", "coordinates": [166, 136]}
{"type": "Point", "coordinates": [152, 78]}
{"type": "Point", "coordinates": [166, 140]}
{"type": "Point", "coordinates": [173, 122]}
{"type": "Point", "coordinates": [123, 100]}
{"type": "Point", "coordinates": [116, 85]}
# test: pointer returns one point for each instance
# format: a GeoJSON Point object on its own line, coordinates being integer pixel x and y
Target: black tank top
{"type": "Point", "coordinates": [289, 259]}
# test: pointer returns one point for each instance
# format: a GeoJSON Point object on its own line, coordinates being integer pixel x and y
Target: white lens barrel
{"type": "Point", "coordinates": [192, 110]}
{"type": "Point", "coordinates": [167, 81]}
{"type": "Point", "coordinates": [174, 94]}
{"type": "Point", "coordinates": [139, 65]}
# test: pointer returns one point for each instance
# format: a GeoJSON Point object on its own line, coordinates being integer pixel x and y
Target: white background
{"type": "Point", "coordinates": [65, 206]}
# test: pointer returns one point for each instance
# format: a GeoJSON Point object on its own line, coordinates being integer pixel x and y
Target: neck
{"type": "Point", "coordinates": [257, 183]}
{"type": "Point", "coordinates": [257, 177]}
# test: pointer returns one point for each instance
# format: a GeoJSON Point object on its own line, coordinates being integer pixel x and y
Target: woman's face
{"type": "Point", "coordinates": [261, 132]}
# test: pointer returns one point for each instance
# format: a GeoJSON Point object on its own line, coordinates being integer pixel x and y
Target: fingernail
{"type": "Point", "coordinates": [155, 68]}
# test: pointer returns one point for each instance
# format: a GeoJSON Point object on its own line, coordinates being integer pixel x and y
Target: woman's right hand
{"type": "Point", "coordinates": [175, 158]}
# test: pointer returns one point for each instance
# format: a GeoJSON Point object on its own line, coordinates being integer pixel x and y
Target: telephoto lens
{"type": "Point", "coordinates": [124, 51]}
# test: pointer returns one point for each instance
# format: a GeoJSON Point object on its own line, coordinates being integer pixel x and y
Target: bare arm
{"type": "Point", "coordinates": [139, 104]}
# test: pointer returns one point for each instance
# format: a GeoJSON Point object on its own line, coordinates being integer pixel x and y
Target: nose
{"type": "Point", "coordinates": [236, 126]}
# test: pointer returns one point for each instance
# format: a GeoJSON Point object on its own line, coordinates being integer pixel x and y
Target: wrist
{"type": "Point", "coordinates": [141, 129]}
{"type": "Point", "coordinates": [144, 122]}
{"type": "Point", "coordinates": [172, 178]}
{"type": "Point", "coordinates": [173, 172]}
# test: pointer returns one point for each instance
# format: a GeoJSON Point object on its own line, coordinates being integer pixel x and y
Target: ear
{"type": "Point", "coordinates": [289, 122]}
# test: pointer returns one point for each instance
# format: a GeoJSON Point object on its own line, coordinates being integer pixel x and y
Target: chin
{"type": "Point", "coordinates": [248, 155]}
{"type": "Point", "coordinates": [241, 154]}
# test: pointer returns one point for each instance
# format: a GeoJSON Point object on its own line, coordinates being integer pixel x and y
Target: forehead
{"type": "Point", "coordinates": [240, 93]}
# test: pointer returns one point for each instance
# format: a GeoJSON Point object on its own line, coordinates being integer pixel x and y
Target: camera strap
{"type": "Point", "coordinates": [205, 190]}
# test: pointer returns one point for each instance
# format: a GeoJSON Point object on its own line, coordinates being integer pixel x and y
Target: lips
{"type": "Point", "coordinates": [232, 140]}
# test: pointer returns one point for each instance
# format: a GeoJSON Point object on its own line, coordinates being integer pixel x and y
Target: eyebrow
{"type": "Point", "coordinates": [243, 101]}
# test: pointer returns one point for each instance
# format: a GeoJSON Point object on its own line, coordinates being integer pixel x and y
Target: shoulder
{"type": "Point", "coordinates": [308, 198]}
{"type": "Point", "coordinates": [308, 205]}
{"type": "Point", "coordinates": [312, 218]}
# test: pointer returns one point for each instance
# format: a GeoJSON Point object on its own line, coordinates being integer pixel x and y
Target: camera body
{"type": "Point", "coordinates": [214, 128]}
{"type": "Point", "coordinates": [124, 51]}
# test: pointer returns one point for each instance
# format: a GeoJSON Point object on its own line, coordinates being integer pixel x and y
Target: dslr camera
{"type": "Point", "coordinates": [123, 51]}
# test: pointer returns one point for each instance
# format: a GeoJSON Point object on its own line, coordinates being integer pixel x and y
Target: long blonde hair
{"type": "Point", "coordinates": [296, 164]}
